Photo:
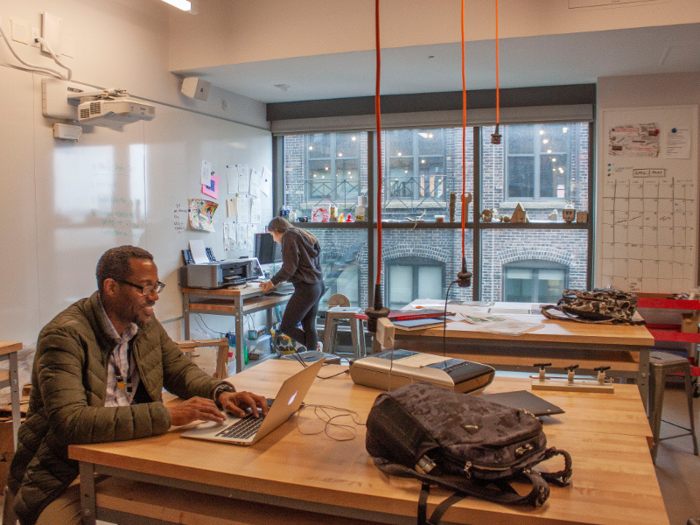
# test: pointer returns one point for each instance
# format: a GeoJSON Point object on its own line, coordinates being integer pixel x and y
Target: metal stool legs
{"type": "Point", "coordinates": [356, 332]}
{"type": "Point", "coordinates": [661, 364]}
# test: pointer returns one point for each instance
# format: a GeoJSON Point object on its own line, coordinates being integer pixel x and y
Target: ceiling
{"type": "Point", "coordinates": [524, 62]}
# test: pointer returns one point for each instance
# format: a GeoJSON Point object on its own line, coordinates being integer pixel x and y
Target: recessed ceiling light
{"type": "Point", "coordinates": [184, 5]}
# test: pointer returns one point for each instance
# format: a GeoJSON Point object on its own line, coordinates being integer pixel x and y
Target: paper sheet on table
{"type": "Point", "coordinates": [512, 327]}
{"type": "Point", "coordinates": [199, 252]}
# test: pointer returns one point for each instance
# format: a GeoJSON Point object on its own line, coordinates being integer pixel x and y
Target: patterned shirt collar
{"type": "Point", "coordinates": [128, 334]}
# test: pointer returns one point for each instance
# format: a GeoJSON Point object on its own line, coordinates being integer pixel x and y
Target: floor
{"type": "Point", "coordinates": [677, 469]}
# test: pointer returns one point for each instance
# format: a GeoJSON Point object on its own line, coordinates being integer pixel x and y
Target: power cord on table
{"type": "Point", "coordinates": [322, 413]}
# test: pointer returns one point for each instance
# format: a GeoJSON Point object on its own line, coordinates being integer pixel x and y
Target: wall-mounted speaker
{"type": "Point", "coordinates": [196, 88]}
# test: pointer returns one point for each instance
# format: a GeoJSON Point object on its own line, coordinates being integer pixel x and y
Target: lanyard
{"type": "Point", "coordinates": [122, 384]}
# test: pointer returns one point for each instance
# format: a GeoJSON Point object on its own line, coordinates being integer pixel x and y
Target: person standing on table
{"type": "Point", "coordinates": [98, 377]}
{"type": "Point", "coordinates": [301, 265]}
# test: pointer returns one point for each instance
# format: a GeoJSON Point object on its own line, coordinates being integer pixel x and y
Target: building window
{"type": "Point", "coordinates": [416, 167]}
{"type": "Point", "coordinates": [538, 158]}
{"type": "Point", "coordinates": [412, 278]}
{"type": "Point", "coordinates": [333, 167]}
{"type": "Point", "coordinates": [534, 281]}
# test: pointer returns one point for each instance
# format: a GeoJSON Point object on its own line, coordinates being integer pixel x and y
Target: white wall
{"type": "Point", "coordinates": [241, 31]}
{"type": "Point", "coordinates": [122, 43]}
{"type": "Point", "coordinates": [53, 192]}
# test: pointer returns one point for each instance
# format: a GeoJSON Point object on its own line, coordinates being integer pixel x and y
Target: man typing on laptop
{"type": "Point", "coordinates": [98, 376]}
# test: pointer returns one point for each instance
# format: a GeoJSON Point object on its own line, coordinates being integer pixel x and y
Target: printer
{"type": "Point", "coordinates": [393, 369]}
{"type": "Point", "coordinates": [220, 273]}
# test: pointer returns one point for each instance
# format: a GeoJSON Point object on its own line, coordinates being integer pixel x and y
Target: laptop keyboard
{"type": "Point", "coordinates": [243, 428]}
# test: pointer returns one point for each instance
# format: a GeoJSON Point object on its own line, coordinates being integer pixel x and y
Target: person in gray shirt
{"type": "Point", "coordinates": [302, 267]}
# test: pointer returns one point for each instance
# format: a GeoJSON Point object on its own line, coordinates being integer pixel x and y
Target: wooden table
{"type": "Point", "coordinates": [289, 477]}
{"type": "Point", "coordinates": [8, 352]}
{"type": "Point", "coordinates": [230, 301]}
{"type": "Point", "coordinates": [624, 348]}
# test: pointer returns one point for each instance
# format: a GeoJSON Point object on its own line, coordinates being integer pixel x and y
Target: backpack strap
{"type": "Point", "coordinates": [484, 490]}
{"type": "Point", "coordinates": [561, 478]}
{"type": "Point", "coordinates": [545, 311]}
{"type": "Point", "coordinates": [439, 511]}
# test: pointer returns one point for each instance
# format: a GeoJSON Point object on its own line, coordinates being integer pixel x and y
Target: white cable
{"type": "Point", "coordinates": [55, 58]}
{"type": "Point", "coordinates": [32, 68]}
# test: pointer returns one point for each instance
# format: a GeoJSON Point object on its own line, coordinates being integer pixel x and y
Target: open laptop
{"type": "Point", "coordinates": [250, 430]}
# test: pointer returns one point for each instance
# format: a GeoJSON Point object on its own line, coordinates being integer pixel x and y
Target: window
{"type": "Point", "coordinates": [415, 172]}
{"type": "Point", "coordinates": [538, 161]}
{"type": "Point", "coordinates": [413, 278]}
{"type": "Point", "coordinates": [534, 281]}
{"type": "Point", "coordinates": [333, 167]}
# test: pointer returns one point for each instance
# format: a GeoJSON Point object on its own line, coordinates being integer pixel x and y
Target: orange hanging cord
{"type": "Point", "coordinates": [498, 90]}
{"type": "Point", "coordinates": [464, 140]}
{"type": "Point", "coordinates": [378, 114]}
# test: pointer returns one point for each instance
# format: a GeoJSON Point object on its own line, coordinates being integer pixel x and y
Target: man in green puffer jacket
{"type": "Point", "coordinates": [98, 375]}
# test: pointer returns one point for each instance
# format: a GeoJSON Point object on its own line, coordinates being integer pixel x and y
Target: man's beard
{"type": "Point", "coordinates": [132, 314]}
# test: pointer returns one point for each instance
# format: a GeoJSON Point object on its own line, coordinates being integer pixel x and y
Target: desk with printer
{"type": "Point", "coordinates": [226, 288]}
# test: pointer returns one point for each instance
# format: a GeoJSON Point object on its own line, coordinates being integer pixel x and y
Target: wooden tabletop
{"type": "Point", "coordinates": [8, 347]}
{"type": "Point", "coordinates": [242, 291]}
{"type": "Point", "coordinates": [614, 481]}
{"type": "Point", "coordinates": [551, 332]}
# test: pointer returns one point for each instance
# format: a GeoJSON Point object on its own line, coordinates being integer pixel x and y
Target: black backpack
{"type": "Point", "coordinates": [460, 442]}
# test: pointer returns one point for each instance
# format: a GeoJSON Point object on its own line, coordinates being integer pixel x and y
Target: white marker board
{"type": "Point", "coordinates": [648, 199]}
{"type": "Point", "coordinates": [64, 204]}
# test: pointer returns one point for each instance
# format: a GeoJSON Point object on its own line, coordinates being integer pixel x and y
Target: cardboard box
{"type": "Point", "coordinates": [689, 322]}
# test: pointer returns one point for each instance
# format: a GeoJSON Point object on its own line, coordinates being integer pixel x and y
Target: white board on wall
{"type": "Point", "coordinates": [66, 203]}
{"type": "Point", "coordinates": [648, 199]}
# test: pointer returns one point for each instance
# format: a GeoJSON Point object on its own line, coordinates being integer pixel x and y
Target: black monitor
{"type": "Point", "coordinates": [266, 249]}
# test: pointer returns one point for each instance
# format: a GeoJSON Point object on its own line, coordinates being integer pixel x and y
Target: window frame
{"type": "Point", "coordinates": [335, 182]}
{"type": "Point", "coordinates": [416, 263]}
{"type": "Point", "coordinates": [537, 157]}
{"type": "Point", "coordinates": [535, 265]}
{"type": "Point", "coordinates": [417, 191]}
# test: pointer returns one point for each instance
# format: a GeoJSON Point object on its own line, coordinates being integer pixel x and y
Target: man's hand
{"type": "Point", "coordinates": [194, 409]}
{"type": "Point", "coordinates": [237, 402]}
{"type": "Point", "coordinates": [266, 286]}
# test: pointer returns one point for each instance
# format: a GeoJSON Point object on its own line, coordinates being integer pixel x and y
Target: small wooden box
{"type": "Point", "coordinates": [689, 322]}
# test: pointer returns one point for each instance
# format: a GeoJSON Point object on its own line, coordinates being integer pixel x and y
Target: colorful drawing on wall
{"type": "Point", "coordinates": [201, 214]}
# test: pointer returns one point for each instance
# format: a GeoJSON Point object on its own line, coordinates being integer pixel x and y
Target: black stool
{"type": "Point", "coordinates": [661, 364]}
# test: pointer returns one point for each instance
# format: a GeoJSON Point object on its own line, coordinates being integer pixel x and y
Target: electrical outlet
{"type": "Point", "coordinates": [36, 33]}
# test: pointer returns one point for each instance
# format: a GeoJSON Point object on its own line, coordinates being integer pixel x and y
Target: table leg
{"type": "Point", "coordinates": [14, 396]}
{"type": "Point", "coordinates": [239, 317]}
{"type": "Point", "coordinates": [87, 493]}
{"type": "Point", "coordinates": [186, 313]}
{"type": "Point", "coordinates": [644, 376]}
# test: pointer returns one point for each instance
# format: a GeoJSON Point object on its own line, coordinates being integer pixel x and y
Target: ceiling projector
{"type": "Point", "coordinates": [113, 109]}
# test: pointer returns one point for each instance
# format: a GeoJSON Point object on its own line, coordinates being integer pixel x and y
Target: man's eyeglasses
{"type": "Point", "coordinates": [145, 290]}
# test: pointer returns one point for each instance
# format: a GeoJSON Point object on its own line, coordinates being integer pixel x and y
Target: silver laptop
{"type": "Point", "coordinates": [250, 430]}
